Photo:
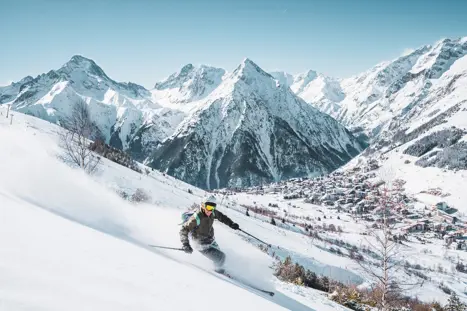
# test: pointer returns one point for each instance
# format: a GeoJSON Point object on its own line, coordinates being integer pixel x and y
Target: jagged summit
{"type": "Point", "coordinates": [283, 77]}
{"type": "Point", "coordinates": [81, 63]}
{"type": "Point", "coordinates": [248, 67]}
{"type": "Point", "coordinates": [307, 76]}
{"type": "Point", "coordinates": [190, 83]}
{"type": "Point", "coordinates": [81, 59]}
{"type": "Point", "coordinates": [25, 80]}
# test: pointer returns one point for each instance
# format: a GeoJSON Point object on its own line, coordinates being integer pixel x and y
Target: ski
{"type": "Point", "coordinates": [246, 284]}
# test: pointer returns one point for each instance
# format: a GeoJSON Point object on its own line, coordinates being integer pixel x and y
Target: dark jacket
{"type": "Point", "coordinates": [201, 227]}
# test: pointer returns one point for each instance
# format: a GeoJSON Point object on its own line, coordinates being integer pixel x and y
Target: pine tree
{"type": "Point", "coordinates": [325, 283]}
{"type": "Point", "coordinates": [248, 214]}
{"type": "Point", "coordinates": [273, 222]}
{"type": "Point", "coordinates": [454, 304]}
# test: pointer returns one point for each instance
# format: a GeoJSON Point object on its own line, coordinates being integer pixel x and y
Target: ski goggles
{"type": "Point", "coordinates": [210, 206]}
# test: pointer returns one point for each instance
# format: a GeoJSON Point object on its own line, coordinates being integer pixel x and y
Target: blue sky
{"type": "Point", "coordinates": [144, 41]}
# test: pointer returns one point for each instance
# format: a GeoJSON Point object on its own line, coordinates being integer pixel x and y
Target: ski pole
{"type": "Point", "coordinates": [255, 238]}
{"type": "Point", "coordinates": [165, 247]}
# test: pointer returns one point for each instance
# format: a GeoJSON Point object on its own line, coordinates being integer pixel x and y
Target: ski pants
{"type": "Point", "coordinates": [215, 254]}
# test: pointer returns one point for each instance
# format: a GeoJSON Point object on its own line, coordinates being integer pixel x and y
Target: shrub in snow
{"type": "Point", "coordinates": [444, 288]}
{"type": "Point", "coordinates": [287, 271]}
{"type": "Point", "coordinates": [114, 155]}
{"type": "Point", "coordinates": [123, 194]}
{"type": "Point", "coordinates": [421, 275]}
{"type": "Point", "coordinates": [351, 297]}
{"type": "Point", "coordinates": [273, 222]}
{"type": "Point", "coordinates": [140, 196]}
{"type": "Point", "coordinates": [461, 267]}
{"type": "Point", "coordinates": [440, 139]}
{"type": "Point", "coordinates": [454, 304]}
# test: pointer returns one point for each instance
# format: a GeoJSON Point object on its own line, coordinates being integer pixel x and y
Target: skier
{"type": "Point", "coordinates": [199, 224]}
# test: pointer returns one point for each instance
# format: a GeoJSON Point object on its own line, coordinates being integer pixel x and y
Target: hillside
{"type": "Point", "coordinates": [71, 242]}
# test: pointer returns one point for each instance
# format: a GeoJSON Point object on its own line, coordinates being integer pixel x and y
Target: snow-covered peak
{"type": "Point", "coordinates": [301, 80]}
{"type": "Point", "coordinates": [90, 80]}
{"type": "Point", "coordinates": [189, 84]}
{"type": "Point", "coordinates": [24, 80]}
{"type": "Point", "coordinates": [315, 88]}
{"type": "Point", "coordinates": [83, 64]}
{"type": "Point", "coordinates": [440, 57]}
{"type": "Point", "coordinates": [187, 74]}
{"type": "Point", "coordinates": [283, 77]}
{"type": "Point", "coordinates": [385, 73]}
{"type": "Point", "coordinates": [176, 79]}
{"type": "Point", "coordinates": [9, 92]}
{"type": "Point", "coordinates": [248, 68]}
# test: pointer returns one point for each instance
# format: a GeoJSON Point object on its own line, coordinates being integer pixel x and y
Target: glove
{"type": "Point", "coordinates": [235, 226]}
{"type": "Point", "coordinates": [187, 248]}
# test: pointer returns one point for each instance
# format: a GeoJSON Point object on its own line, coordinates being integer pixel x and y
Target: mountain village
{"type": "Point", "coordinates": [359, 193]}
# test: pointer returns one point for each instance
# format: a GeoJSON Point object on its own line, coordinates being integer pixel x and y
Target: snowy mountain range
{"type": "Point", "coordinates": [251, 130]}
{"type": "Point", "coordinates": [370, 100]}
{"type": "Point", "coordinates": [415, 104]}
{"type": "Point", "coordinates": [200, 124]}
{"type": "Point", "coordinates": [122, 111]}
{"type": "Point", "coordinates": [200, 118]}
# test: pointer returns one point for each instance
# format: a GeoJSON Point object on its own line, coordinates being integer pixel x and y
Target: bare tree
{"type": "Point", "coordinates": [78, 130]}
{"type": "Point", "coordinates": [386, 250]}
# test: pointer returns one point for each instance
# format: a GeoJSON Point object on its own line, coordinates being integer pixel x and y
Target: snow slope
{"type": "Point", "coordinates": [318, 255]}
{"type": "Point", "coordinates": [70, 242]}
